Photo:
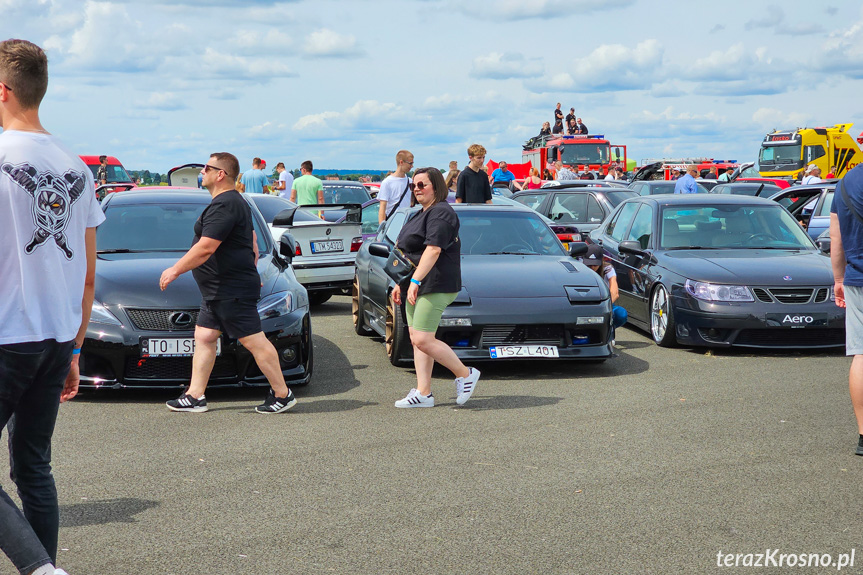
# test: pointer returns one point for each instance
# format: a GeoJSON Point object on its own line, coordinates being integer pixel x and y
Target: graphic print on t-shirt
{"type": "Point", "coordinates": [53, 197]}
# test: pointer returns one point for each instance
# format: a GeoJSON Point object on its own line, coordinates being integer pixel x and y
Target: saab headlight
{"type": "Point", "coordinates": [100, 314]}
{"type": "Point", "coordinates": [718, 292]}
{"type": "Point", "coordinates": [275, 305]}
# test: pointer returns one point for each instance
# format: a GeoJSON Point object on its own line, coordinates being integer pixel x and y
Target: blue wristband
{"type": "Point", "coordinates": [76, 351]}
{"type": "Point", "coordinates": [416, 281]}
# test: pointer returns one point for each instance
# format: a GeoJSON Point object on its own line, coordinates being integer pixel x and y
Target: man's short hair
{"type": "Point", "coordinates": [229, 163]}
{"type": "Point", "coordinates": [476, 151]}
{"type": "Point", "coordinates": [453, 165]}
{"type": "Point", "coordinates": [280, 165]}
{"type": "Point", "coordinates": [24, 70]}
{"type": "Point", "coordinates": [501, 165]}
{"type": "Point", "coordinates": [307, 166]}
{"type": "Point", "coordinates": [103, 159]}
{"type": "Point", "coordinates": [256, 162]}
{"type": "Point", "coordinates": [403, 156]}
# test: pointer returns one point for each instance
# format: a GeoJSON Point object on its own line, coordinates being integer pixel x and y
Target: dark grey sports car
{"type": "Point", "coordinates": [523, 296]}
{"type": "Point", "coordinates": [140, 336]}
{"type": "Point", "coordinates": [721, 270]}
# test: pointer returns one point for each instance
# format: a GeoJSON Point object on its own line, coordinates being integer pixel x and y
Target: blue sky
{"type": "Point", "coordinates": [347, 83]}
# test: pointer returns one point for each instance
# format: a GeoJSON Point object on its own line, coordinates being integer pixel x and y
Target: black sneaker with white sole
{"type": "Point", "coordinates": [188, 403]}
{"type": "Point", "coordinates": [275, 404]}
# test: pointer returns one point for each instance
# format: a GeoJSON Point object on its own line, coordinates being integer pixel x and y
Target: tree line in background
{"type": "Point", "coordinates": [148, 178]}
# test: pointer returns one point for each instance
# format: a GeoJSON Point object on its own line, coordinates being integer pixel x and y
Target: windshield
{"type": "Point", "coordinates": [773, 156]}
{"type": "Point", "coordinates": [346, 194]}
{"type": "Point", "coordinates": [499, 233]}
{"type": "Point", "coordinates": [584, 153]}
{"type": "Point", "coordinates": [743, 189]}
{"type": "Point", "coordinates": [615, 198]}
{"type": "Point", "coordinates": [731, 226]}
{"type": "Point", "coordinates": [116, 174]}
{"type": "Point", "coordinates": [148, 227]}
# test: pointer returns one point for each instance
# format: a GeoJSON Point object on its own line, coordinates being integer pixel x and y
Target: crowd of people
{"type": "Point", "coordinates": [48, 227]}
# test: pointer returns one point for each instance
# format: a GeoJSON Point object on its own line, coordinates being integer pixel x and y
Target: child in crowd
{"type": "Point", "coordinates": [593, 260]}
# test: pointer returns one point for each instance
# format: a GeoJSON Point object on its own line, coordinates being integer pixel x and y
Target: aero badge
{"type": "Point", "coordinates": [787, 278]}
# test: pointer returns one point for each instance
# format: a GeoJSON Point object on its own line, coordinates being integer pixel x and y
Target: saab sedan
{"type": "Point", "coordinates": [721, 270]}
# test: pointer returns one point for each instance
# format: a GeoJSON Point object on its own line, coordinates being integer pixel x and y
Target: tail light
{"type": "Point", "coordinates": [356, 243]}
{"type": "Point", "coordinates": [569, 237]}
{"type": "Point", "coordinates": [299, 251]}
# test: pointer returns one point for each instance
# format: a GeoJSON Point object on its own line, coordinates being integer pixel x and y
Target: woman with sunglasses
{"type": "Point", "coordinates": [430, 240]}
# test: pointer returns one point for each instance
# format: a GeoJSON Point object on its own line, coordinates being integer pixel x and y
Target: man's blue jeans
{"type": "Point", "coordinates": [32, 376]}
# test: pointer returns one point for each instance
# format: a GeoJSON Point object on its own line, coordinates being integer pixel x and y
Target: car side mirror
{"type": "Point", "coordinates": [823, 245]}
{"type": "Point", "coordinates": [379, 249]}
{"type": "Point", "coordinates": [285, 218]}
{"type": "Point", "coordinates": [577, 249]}
{"type": "Point", "coordinates": [630, 247]}
{"type": "Point", "coordinates": [287, 246]}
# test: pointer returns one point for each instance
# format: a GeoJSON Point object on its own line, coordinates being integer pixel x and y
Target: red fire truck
{"type": "Point", "coordinates": [579, 153]}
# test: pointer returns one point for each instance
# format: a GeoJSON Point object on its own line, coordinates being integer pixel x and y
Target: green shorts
{"type": "Point", "coordinates": [425, 315]}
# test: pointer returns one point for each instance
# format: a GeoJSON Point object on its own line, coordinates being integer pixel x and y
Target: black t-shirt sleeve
{"type": "Point", "coordinates": [218, 221]}
{"type": "Point", "coordinates": [441, 225]}
{"type": "Point", "coordinates": [487, 191]}
{"type": "Point", "coordinates": [459, 191]}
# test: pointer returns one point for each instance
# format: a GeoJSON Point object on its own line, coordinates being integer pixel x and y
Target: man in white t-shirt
{"type": "Point", "coordinates": [395, 192]}
{"type": "Point", "coordinates": [47, 274]}
{"type": "Point", "coordinates": [813, 175]}
{"type": "Point", "coordinates": [285, 181]}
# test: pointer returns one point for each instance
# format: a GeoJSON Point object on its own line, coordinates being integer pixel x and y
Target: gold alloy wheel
{"type": "Point", "coordinates": [355, 302]}
{"type": "Point", "coordinates": [389, 333]}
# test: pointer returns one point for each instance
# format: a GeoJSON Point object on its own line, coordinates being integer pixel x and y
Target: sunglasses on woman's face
{"type": "Point", "coordinates": [419, 186]}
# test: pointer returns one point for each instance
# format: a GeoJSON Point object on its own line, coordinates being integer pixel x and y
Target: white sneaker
{"type": "Point", "coordinates": [464, 386]}
{"type": "Point", "coordinates": [59, 571]}
{"type": "Point", "coordinates": [416, 399]}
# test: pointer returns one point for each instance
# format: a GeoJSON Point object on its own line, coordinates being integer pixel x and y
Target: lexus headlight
{"type": "Point", "coordinates": [718, 292]}
{"type": "Point", "coordinates": [275, 305]}
{"type": "Point", "coordinates": [100, 314]}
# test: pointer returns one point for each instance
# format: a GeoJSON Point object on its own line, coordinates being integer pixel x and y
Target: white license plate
{"type": "Point", "coordinates": [172, 347]}
{"type": "Point", "coordinates": [516, 351]}
{"type": "Point", "coordinates": [328, 246]}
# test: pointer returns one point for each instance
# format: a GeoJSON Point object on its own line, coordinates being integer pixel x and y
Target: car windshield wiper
{"type": "Point", "coordinates": [690, 248]}
{"type": "Point", "coordinates": [513, 253]}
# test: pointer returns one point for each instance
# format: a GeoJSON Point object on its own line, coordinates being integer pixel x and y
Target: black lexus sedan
{"type": "Point", "coordinates": [140, 336]}
{"type": "Point", "coordinates": [721, 270]}
{"type": "Point", "coordinates": [523, 296]}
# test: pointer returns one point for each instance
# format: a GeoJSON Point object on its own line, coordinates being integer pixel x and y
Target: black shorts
{"type": "Point", "coordinates": [238, 318]}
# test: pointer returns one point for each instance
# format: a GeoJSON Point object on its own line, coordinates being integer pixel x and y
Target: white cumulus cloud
{"type": "Point", "coordinates": [326, 43]}
{"type": "Point", "coordinates": [498, 66]}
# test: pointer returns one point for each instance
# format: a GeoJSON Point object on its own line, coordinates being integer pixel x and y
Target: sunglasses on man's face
{"type": "Point", "coordinates": [420, 186]}
{"type": "Point", "coordinates": [208, 167]}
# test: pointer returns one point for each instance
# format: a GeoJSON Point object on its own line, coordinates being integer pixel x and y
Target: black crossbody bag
{"type": "Point", "coordinates": [398, 203]}
{"type": "Point", "coordinates": [847, 201]}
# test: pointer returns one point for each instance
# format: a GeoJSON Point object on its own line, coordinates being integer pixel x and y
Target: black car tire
{"type": "Point", "coordinates": [357, 313]}
{"type": "Point", "coordinates": [661, 311]}
{"type": "Point", "coordinates": [397, 338]}
{"type": "Point", "coordinates": [319, 297]}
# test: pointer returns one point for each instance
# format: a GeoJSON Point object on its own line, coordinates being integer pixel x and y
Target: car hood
{"type": "Point", "coordinates": [507, 276]}
{"type": "Point", "coordinates": [752, 267]}
{"type": "Point", "coordinates": [132, 280]}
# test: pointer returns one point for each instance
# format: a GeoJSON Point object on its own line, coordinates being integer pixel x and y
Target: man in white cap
{"type": "Point", "coordinates": [812, 175]}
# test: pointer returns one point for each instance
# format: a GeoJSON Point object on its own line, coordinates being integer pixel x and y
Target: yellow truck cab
{"type": "Point", "coordinates": [786, 154]}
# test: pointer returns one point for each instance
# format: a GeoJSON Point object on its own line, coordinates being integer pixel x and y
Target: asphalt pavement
{"type": "Point", "coordinates": [653, 462]}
